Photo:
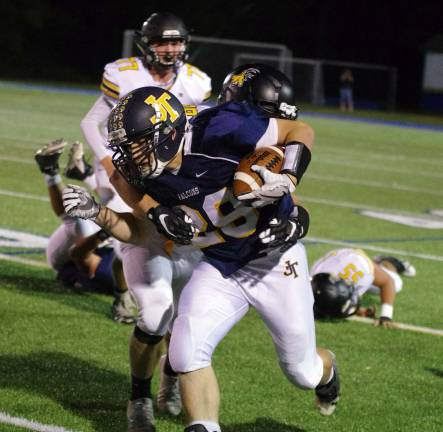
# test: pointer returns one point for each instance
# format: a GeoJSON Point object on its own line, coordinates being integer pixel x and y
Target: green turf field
{"type": "Point", "coordinates": [63, 362]}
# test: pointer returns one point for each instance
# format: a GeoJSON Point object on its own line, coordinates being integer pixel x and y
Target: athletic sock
{"type": "Point", "coordinates": [140, 388]}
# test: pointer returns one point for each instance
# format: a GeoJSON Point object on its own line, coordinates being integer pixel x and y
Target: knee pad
{"type": "Point", "coordinates": [156, 308]}
{"type": "Point", "coordinates": [146, 338]}
{"type": "Point", "coordinates": [183, 354]}
{"type": "Point", "coordinates": [303, 375]}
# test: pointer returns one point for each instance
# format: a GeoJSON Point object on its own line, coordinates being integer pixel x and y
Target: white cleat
{"type": "Point", "coordinates": [409, 269]}
{"type": "Point", "coordinates": [140, 414]}
{"type": "Point", "coordinates": [77, 168]}
{"type": "Point", "coordinates": [168, 397]}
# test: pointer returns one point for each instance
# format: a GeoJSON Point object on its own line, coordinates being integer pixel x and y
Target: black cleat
{"type": "Point", "coordinates": [47, 157]}
{"type": "Point", "coordinates": [327, 395]}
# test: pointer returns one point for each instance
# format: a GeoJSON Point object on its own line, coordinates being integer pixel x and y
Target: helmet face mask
{"type": "Point", "coordinates": [263, 86]}
{"type": "Point", "coordinates": [162, 30]}
{"type": "Point", "coordinates": [334, 297]}
{"type": "Point", "coordinates": [146, 129]}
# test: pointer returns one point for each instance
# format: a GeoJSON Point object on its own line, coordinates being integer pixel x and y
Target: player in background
{"type": "Point", "coordinates": [150, 268]}
{"type": "Point", "coordinates": [75, 249]}
{"type": "Point", "coordinates": [251, 254]}
{"type": "Point", "coordinates": [342, 276]}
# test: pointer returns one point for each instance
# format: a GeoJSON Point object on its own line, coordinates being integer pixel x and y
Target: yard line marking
{"type": "Point", "coordinates": [30, 424]}
{"type": "Point", "coordinates": [353, 164]}
{"type": "Point", "coordinates": [23, 195]}
{"type": "Point", "coordinates": [374, 248]}
{"type": "Point", "coordinates": [362, 154]}
{"type": "Point", "coordinates": [401, 326]}
{"type": "Point", "coordinates": [392, 186]}
{"type": "Point", "coordinates": [17, 159]}
{"type": "Point", "coordinates": [20, 260]}
{"type": "Point", "coordinates": [346, 204]}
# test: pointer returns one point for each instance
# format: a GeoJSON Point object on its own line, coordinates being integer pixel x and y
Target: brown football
{"type": "Point", "coordinates": [246, 180]}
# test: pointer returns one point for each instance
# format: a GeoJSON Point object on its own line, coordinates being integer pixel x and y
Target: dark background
{"type": "Point", "coordinates": [71, 41]}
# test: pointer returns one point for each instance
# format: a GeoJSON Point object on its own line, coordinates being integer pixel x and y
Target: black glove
{"type": "Point", "coordinates": [173, 223]}
{"type": "Point", "coordinates": [285, 232]}
{"type": "Point", "coordinates": [281, 232]}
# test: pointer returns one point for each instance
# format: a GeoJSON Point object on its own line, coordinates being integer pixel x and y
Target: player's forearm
{"type": "Point", "coordinates": [123, 226]}
{"type": "Point", "coordinates": [387, 293]}
{"type": "Point", "coordinates": [134, 198]}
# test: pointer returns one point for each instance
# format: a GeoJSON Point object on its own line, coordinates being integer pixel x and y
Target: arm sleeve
{"type": "Point", "coordinates": [94, 127]}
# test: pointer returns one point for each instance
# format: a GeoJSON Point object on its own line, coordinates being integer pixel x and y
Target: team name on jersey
{"type": "Point", "coordinates": [188, 193]}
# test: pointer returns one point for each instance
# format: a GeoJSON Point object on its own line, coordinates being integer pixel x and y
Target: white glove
{"type": "Point", "coordinates": [79, 203]}
{"type": "Point", "coordinates": [274, 187]}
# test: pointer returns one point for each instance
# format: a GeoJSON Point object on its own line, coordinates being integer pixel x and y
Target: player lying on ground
{"type": "Point", "coordinates": [341, 277]}
{"type": "Point", "coordinates": [251, 254]}
{"type": "Point", "coordinates": [75, 249]}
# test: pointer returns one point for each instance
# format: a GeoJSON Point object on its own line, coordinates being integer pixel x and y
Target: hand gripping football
{"type": "Point", "coordinates": [246, 180]}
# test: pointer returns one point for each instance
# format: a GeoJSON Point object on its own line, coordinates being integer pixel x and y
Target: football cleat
{"type": "Point", "coordinates": [409, 269]}
{"type": "Point", "coordinates": [47, 157]}
{"type": "Point", "coordinates": [403, 267]}
{"type": "Point", "coordinates": [77, 168]}
{"type": "Point", "coordinates": [168, 397]}
{"type": "Point", "coordinates": [123, 309]}
{"type": "Point", "coordinates": [327, 395]}
{"type": "Point", "coordinates": [140, 414]}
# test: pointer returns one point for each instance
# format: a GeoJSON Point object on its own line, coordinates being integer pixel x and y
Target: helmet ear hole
{"type": "Point", "coordinates": [263, 86]}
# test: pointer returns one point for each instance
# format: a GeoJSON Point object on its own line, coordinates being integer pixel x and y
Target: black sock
{"type": "Point", "coordinates": [140, 388]}
{"type": "Point", "coordinates": [167, 369]}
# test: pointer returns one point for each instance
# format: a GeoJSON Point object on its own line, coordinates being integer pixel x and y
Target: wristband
{"type": "Point", "coordinates": [387, 311]}
{"type": "Point", "coordinates": [297, 158]}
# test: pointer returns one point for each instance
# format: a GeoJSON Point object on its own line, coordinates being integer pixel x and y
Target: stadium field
{"type": "Point", "coordinates": [63, 362]}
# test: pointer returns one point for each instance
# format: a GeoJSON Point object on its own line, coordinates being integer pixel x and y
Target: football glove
{"type": "Point", "coordinates": [79, 203]}
{"type": "Point", "coordinates": [173, 223]}
{"type": "Point", "coordinates": [282, 233]}
{"type": "Point", "coordinates": [274, 187]}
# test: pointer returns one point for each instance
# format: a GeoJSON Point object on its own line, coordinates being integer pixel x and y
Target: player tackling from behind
{"type": "Point", "coordinates": [251, 253]}
{"type": "Point", "coordinates": [150, 268]}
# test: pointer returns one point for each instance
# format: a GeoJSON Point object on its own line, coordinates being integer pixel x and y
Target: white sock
{"type": "Point", "coordinates": [209, 425]}
{"type": "Point", "coordinates": [91, 182]}
{"type": "Point", "coordinates": [53, 180]}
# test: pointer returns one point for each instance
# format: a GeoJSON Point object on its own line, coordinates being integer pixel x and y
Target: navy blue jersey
{"type": "Point", "coordinates": [102, 281]}
{"type": "Point", "coordinates": [221, 137]}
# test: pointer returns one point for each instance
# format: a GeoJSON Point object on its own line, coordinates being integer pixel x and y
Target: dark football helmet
{"type": "Point", "coordinates": [162, 27]}
{"type": "Point", "coordinates": [262, 85]}
{"type": "Point", "coordinates": [145, 131]}
{"type": "Point", "coordinates": [333, 297]}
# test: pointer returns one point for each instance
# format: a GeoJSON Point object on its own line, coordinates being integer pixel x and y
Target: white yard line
{"type": "Point", "coordinates": [401, 326]}
{"type": "Point", "coordinates": [21, 260]}
{"type": "Point", "coordinates": [23, 195]}
{"type": "Point", "coordinates": [381, 185]}
{"type": "Point", "coordinates": [29, 161]}
{"type": "Point", "coordinates": [30, 424]}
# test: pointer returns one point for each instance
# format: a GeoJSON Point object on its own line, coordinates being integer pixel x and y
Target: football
{"type": "Point", "coordinates": [246, 180]}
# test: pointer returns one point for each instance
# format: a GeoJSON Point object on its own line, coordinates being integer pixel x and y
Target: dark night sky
{"type": "Point", "coordinates": [72, 40]}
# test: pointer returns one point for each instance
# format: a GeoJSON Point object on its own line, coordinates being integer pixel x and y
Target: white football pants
{"type": "Point", "coordinates": [277, 286]}
{"type": "Point", "coordinates": [155, 280]}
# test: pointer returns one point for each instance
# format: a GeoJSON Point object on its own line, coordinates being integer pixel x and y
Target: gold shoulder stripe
{"type": "Point", "coordinates": [108, 92]}
{"type": "Point", "coordinates": [207, 96]}
{"type": "Point", "coordinates": [111, 85]}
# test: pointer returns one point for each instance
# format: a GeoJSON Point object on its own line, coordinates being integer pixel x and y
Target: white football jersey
{"type": "Point", "coordinates": [353, 265]}
{"type": "Point", "coordinates": [190, 86]}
